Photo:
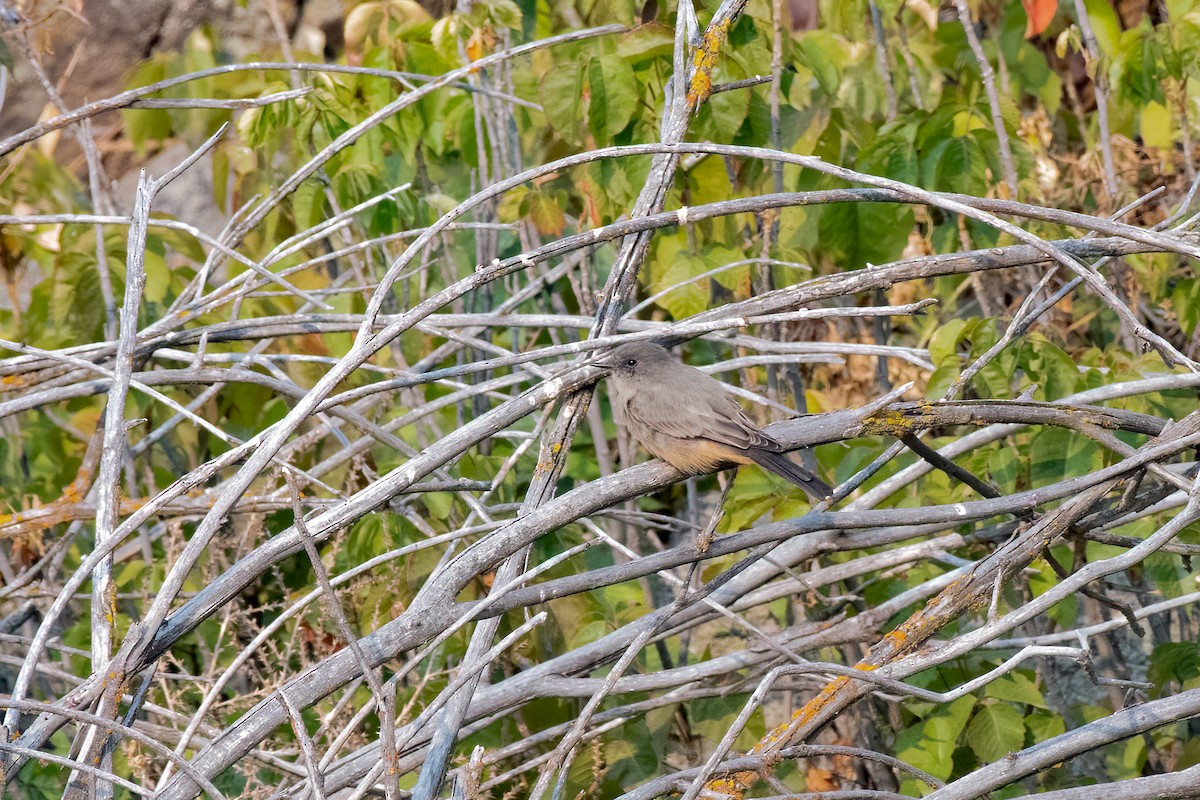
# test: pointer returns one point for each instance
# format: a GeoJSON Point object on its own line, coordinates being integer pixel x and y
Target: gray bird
{"type": "Point", "coordinates": [689, 419]}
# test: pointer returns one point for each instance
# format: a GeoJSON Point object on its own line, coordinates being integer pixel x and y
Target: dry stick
{"type": "Point", "coordinates": [294, 609]}
{"type": "Point", "coordinates": [235, 104]}
{"type": "Point", "coordinates": [897, 655]}
{"type": "Point", "coordinates": [1100, 85]}
{"type": "Point", "coordinates": [292, 182]}
{"type": "Point", "coordinates": [771, 232]}
{"type": "Point", "coordinates": [342, 623]}
{"type": "Point", "coordinates": [88, 692]}
{"type": "Point", "coordinates": [639, 684]}
{"type": "Point", "coordinates": [903, 193]}
{"type": "Point", "coordinates": [429, 712]}
{"type": "Point", "coordinates": [618, 288]}
{"type": "Point", "coordinates": [1097, 629]}
{"type": "Point", "coordinates": [765, 639]}
{"type": "Point", "coordinates": [537, 761]}
{"type": "Point", "coordinates": [674, 784]}
{"type": "Point", "coordinates": [970, 207]}
{"type": "Point", "coordinates": [129, 525]}
{"type": "Point", "coordinates": [977, 439]}
{"type": "Point", "coordinates": [100, 195]}
{"type": "Point", "coordinates": [52, 609]}
{"type": "Point", "coordinates": [170, 224]}
{"type": "Point", "coordinates": [752, 704]}
{"type": "Point", "coordinates": [103, 612]}
{"type": "Point", "coordinates": [560, 759]}
{"type": "Point", "coordinates": [900, 605]}
{"type": "Point", "coordinates": [545, 679]}
{"type": "Point", "coordinates": [309, 752]}
{"type": "Point", "coordinates": [1117, 446]}
{"type": "Point", "coordinates": [109, 725]}
{"type": "Point", "coordinates": [955, 513]}
{"type": "Point", "coordinates": [554, 450]}
{"type": "Point", "coordinates": [768, 224]}
{"type": "Point", "coordinates": [1027, 314]}
{"type": "Point", "coordinates": [104, 600]}
{"type": "Point", "coordinates": [563, 754]}
{"type": "Point", "coordinates": [96, 774]}
{"type": "Point", "coordinates": [1124, 724]}
{"type": "Point", "coordinates": [134, 97]}
{"type": "Point", "coordinates": [497, 595]}
{"type": "Point", "coordinates": [273, 439]}
{"type": "Point", "coordinates": [906, 53]}
{"type": "Point", "coordinates": [1170, 786]}
{"type": "Point", "coordinates": [989, 85]}
{"type": "Point", "coordinates": [759, 695]}
{"type": "Point", "coordinates": [881, 60]}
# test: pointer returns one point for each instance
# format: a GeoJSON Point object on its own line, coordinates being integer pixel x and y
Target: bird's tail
{"type": "Point", "coordinates": [784, 467]}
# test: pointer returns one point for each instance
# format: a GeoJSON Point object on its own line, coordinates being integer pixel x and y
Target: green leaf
{"type": "Point", "coordinates": [753, 494]}
{"type": "Point", "coordinates": [735, 279]}
{"type": "Point", "coordinates": [1003, 467]}
{"type": "Point", "coordinates": [1063, 612]}
{"type": "Point", "coordinates": [1105, 24]}
{"type": "Point", "coordinates": [1058, 453]}
{"type": "Point", "coordinates": [561, 93]}
{"type": "Point", "coordinates": [1137, 66]}
{"type": "Point", "coordinates": [941, 380]}
{"type": "Point", "coordinates": [308, 203]}
{"type": "Point", "coordinates": [722, 115]}
{"type": "Point", "coordinates": [1174, 661]}
{"type": "Point", "coordinates": [504, 12]}
{"type": "Point", "coordinates": [1155, 124]}
{"type": "Point", "coordinates": [854, 234]}
{"type": "Point", "coordinates": [892, 155]}
{"type": "Point", "coordinates": [690, 296]}
{"type": "Point", "coordinates": [1044, 726]}
{"type": "Point", "coordinates": [646, 42]}
{"type": "Point", "coordinates": [995, 731]}
{"type": "Point", "coordinates": [1017, 687]}
{"type": "Point", "coordinates": [612, 90]}
{"type": "Point", "coordinates": [824, 55]}
{"type": "Point", "coordinates": [367, 538]}
{"type": "Point", "coordinates": [930, 745]}
{"type": "Point", "coordinates": [129, 573]}
{"type": "Point", "coordinates": [1126, 759]}
{"type": "Point", "coordinates": [712, 716]}
{"type": "Point", "coordinates": [545, 213]}
{"type": "Point", "coordinates": [957, 164]}
{"type": "Point", "coordinates": [943, 347]}
{"type": "Point", "coordinates": [158, 274]}
{"type": "Point", "coordinates": [1059, 373]}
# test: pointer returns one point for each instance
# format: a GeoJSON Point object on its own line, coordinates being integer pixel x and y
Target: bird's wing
{"type": "Point", "coordinates": [689, 409]}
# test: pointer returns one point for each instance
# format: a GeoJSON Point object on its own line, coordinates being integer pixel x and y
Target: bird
{"type": "Point", "coordinates": [689, 419]}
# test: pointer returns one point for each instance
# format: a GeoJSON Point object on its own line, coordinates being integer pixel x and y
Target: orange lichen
{"type": "Point", "coordinates": [896, 644]}
{"type": "Point", "coordinates": [888, 422]}
{"type": "Point", "coordinates": [704, 62]}
{"type": "Point", "coordinates": [737, 784]}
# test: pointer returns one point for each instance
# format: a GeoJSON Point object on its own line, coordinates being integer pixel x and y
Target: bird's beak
{"type": "Point", "coordinates": [604, 362]}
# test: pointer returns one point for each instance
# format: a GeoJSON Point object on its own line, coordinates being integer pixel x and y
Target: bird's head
{"type": "Point", "coordinates": [636, 359]}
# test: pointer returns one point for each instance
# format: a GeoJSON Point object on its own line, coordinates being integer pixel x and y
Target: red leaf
{"type": "Point", "coordinates": [1039, 14]}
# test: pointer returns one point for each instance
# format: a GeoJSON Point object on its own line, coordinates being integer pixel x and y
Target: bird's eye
{"type": "Point", "coordinates": [631, 362]}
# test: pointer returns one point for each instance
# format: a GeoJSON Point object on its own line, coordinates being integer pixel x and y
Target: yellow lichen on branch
{"type": "Point", "coordinates": [704, 62]}
{"type": "Point", "coordinates": [840, 692]}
